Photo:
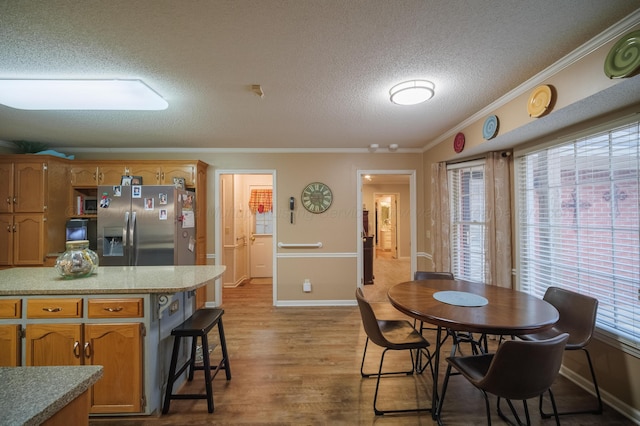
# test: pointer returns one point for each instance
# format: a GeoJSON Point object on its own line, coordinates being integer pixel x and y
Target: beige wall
{"type": "Point", "coordinates": [333, 268]}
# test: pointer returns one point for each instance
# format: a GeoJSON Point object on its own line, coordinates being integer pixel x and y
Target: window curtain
{"type": "Point", "coordinates": [498, 216]}
{"type": "Point", "coordinates": [440, 218]}
{"type": "Point", "coordinates": [261, 200]}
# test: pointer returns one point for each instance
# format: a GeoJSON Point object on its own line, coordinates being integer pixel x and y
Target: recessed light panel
{"type": "Point", "coordinates": [80, 95]}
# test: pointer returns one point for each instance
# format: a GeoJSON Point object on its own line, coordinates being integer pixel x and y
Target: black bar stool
{"type": "Point", "coordinates": [197, 325]}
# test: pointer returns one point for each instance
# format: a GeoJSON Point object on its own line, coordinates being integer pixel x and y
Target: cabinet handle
{"type": "Point", "coordinates": [162, 175]}
{"type": "Point", "coordinates": [118, 309]}
{"type": "Point", "coordinates": [95, 176]}
{"type": "Point", "coordinates": [101, 177]}
{"type": "Point", "coordinates": [58, 309]}
{"type": "Point", "coordinates": [15, 200]}
{"type": "Point", "coordinates": [9, 200]}
{"type": "Point", "coordinates": [8, 228]}
{"type": "Point", "coordinates": [76, 349]}
{"type": "Point", "coordinates": [158, 176]}
{"type": "Point", "coordinates": [87, 350]}
{"type": "Point", "coordinates": [14, 228]}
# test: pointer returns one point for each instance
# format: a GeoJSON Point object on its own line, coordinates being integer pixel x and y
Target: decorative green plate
{"type": "Point", "coordinates": [624, 57]}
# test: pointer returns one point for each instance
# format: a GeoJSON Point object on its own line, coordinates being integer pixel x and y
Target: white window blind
{"type": "Point", "coordinates": [467, 201]}
{"type": "Point", "coordinates": [579, 224]}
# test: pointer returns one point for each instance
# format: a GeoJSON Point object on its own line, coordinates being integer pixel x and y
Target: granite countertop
{"type": "Point", "coordinates": [31, 395]}
{"type": "Point", "coordinates": [108, 280]}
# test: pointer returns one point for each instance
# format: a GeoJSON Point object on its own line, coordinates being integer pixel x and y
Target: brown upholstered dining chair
{"type": "Point", "coordinates": [397, 335]}
{"type": "Point", "coordinates": [519, 370]}
{"type": "Point", "coordinates": [578, 318]}
{"type": "Point", "coordinates": [477, 345]}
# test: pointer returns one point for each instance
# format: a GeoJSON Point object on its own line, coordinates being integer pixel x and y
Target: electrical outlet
{"type": "Point", "coordinates": [306, 286]}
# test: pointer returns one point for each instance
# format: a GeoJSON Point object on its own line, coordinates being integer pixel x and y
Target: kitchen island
{"type": "Point", "coordinates": [120, 318]}
{"type": "Point", "coordinates": [42, 395]}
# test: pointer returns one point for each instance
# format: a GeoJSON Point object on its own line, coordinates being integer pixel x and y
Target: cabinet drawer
{"type": "Point", "coordinates": [54, 308]}
{"type": "Point", "coordinates": [10, 308]}
{"type": "Point", "coordinates": [115, 308]}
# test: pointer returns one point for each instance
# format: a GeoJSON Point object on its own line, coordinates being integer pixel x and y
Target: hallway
{"type": "Point", "coordinates": [387, 272]}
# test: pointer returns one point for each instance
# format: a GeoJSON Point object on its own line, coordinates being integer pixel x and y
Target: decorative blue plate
{"type": "Point", "coordinates": [460, 298]}
{"type": "Point", "coordinates": [490, 128]}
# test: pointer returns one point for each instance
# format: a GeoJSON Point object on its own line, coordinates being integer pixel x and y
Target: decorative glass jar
{"type": "Point", "coordinates": [77, 261]}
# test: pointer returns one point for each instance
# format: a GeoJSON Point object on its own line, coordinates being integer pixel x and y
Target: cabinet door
{"type": "Point", "coordinates": [186, 171]}
{"type": "Point", "coordinates": [30, 185]}
{"type": "Point", "coordinates": [110, 175]}
{"type": "Point", "coordinates": [118, 348]}
{"type": "Point", "coordinates": [54, 344]}
{"type": "Point", "coordinates": [28, 241]}
{"type": "Point", "coordinates": [6, 187]}
{"type": "Point", "coordinates": [84, 175]}
{"type": "Point", "coordinates": [6, 239]}
{"type": "Point", "coordinates": [10, 345]}
{"type": "Point", "coordinates": [150, 173]}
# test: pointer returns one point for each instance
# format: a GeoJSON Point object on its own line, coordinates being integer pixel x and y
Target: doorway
{"type": "Point", "coordinates": [245, 229]}
{"type": "Point", "coordinates": [386, 225]}
{"type": "Point", "coordinates": [387, 199]}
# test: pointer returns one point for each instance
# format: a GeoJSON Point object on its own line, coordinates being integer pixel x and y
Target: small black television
{"type": "Point", "coordinates": [77, 230]}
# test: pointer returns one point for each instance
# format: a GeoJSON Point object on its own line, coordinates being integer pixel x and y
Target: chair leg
{"type": "Point", "coordinates": [389, 373]}
{"type": "Point", "coordinates": [364, 354]}
{"type": "Point", "coordinates": [597, 410]}
{"type": "Point", "coordinates": [514, 412]}
{"type": "Point", "coordinates": [375, 396]}
{"type": "Point", "coordinates": [207, 372]}
{"type": "Point", "coordinates": [429, 362]}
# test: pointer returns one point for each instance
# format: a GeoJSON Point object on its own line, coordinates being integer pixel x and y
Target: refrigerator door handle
{"type": "Point", "coordinates": [132, 231]}
{"type": "Point", "coordinates": [125, 231]}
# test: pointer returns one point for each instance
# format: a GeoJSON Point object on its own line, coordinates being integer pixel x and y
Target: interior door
{"type": "Point", "coordinates": [393, 227]}
{"type": "Point", "coordinates": [261, 240]}
{"type": "Point", "coordinates": [261, 255]}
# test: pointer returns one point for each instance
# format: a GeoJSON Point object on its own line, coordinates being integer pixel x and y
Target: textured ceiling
{"type": "Point", "coordinates": [325, 66]}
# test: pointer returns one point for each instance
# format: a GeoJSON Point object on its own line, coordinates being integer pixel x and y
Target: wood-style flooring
{"type": "Point", "coordinates": [300, 366]}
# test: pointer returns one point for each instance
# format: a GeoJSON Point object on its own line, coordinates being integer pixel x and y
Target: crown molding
{"type": "Point", "coordinates": [613, 32]}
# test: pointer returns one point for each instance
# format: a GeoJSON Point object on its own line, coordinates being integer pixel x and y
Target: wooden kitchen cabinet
{"type": "Point", "coordinates": [118, 347]}
{"type": "Point", "coordinates": [10, 343]}
{"type": "Point", "coordinates": [54, 344]}
{"type": "Point", "coordinates": [91, 173]}
{"type": "Point", "coordinates": [33, 203]}
{"type": "Point", "coordinates": [163, 172]}
{"type": "Point", "coordinates": [22, 186]}
{"type": "Point", "coordinates": [22, 239]}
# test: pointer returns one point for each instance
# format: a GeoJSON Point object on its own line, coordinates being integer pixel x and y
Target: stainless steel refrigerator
{"type": "Point", "coordinates": [143, 225]}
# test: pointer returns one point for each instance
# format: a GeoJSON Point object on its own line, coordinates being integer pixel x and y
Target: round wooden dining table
{"type": "Point", "coordinates": [470, 307]}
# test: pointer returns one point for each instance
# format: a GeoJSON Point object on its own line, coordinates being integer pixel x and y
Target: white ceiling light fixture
{"type": "Point", "coordinates": [412, 92]}
{"type": "Point", "coordinates": [80, 95]}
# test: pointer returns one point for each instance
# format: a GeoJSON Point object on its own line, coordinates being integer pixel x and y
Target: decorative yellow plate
{"type": "Point", "coordinates": [539, 101]}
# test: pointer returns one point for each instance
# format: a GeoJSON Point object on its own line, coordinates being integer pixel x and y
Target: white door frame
{"type": "Point", "coordinates": [217, 208]}
{"type": "Point", "coordinates": [412, 219]}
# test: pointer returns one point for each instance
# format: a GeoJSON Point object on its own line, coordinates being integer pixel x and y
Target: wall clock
{"type": "Point", "coordinates": [316, 197]}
